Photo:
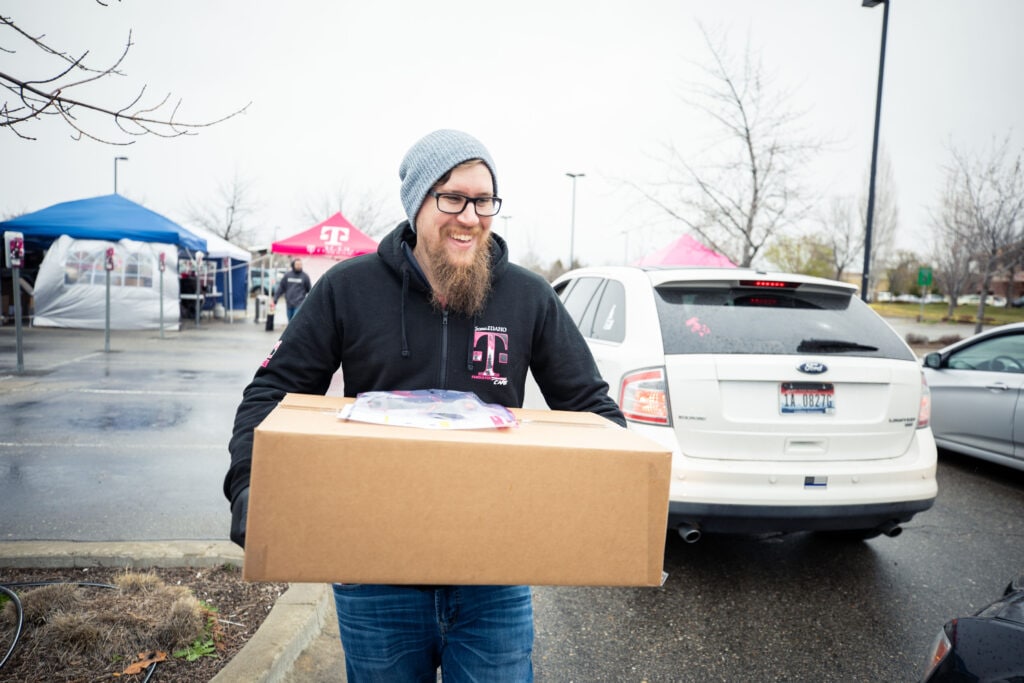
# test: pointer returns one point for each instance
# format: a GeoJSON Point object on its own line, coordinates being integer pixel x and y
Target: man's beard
{"type": "Point", "coordinates": [463, 289]}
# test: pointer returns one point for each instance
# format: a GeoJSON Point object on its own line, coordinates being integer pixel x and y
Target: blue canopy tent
{"type": "Point", "coordinates": [76, 280]}
{"type": "Point", "coordinates": [109, 217]}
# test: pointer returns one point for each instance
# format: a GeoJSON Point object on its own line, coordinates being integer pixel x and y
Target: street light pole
{"type": "Point", "coordinates": [505, 226]}
{"type": "Point", "coordinates": [572, 225]}
{"type": "Point", "coordinates": [117, 159]}
{"type": "Point", "coordinates": [866, 275]}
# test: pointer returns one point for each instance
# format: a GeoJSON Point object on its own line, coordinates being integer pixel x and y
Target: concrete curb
{"type": "Point", "coordinates": [297, 617]}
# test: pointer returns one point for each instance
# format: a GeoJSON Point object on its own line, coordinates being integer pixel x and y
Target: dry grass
{"type": "Point", "coordinates": [76, 628]}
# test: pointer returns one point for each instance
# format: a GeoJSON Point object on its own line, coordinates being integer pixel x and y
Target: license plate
{"type": "Point", "coordinates": [802, 398]}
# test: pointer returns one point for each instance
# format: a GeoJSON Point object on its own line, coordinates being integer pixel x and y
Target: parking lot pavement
{"type": "Point", "coordinates": [141, 427]}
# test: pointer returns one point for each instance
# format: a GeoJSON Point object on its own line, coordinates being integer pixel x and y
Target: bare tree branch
{"type": "Point", "coordinates": [32, 100]}
{"type": "Point", "coordinates": [737, 204]}
{"type": "Point", "coordinates": [367, 210]}
{"type": "Point", "coordinates": [226, 217]}
{"type": "Point", "coordinates": [981, 217]}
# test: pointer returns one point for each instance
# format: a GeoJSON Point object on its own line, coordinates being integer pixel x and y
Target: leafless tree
{"type": "Point", "coordinates": [367, 210]}
{"type": "Point", "coordinates": [985, 202]}
{"type": "Point", "coordinates": [952, 253]}
{"type": "Point", "coordinates": [227, 216]}
{"type": "Point", "coordinates": [841, 236]}
{"type": "Point", "coordinates": [748, 190]}
{"type": "Point", "coordinates": [30, 100]}
{"type": "Point", "coordinates": [807, 254]}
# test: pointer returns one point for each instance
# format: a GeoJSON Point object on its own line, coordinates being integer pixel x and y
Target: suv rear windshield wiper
{"type": "Point", "coordinates": [832, 345]}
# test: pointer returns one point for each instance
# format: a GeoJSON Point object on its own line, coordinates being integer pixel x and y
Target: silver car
{"type": "Point", "coordinates": [976, 387]}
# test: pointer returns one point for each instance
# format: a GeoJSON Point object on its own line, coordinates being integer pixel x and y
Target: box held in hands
{"type": "Point", "coordinates": [563, 499]}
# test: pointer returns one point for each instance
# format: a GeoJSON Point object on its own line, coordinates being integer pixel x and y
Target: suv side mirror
{"type": "Point", "coordinates": [933, 360]}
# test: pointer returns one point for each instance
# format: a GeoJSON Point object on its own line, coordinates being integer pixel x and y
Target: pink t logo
{"type": "Point", "coordinates": [333, 234]}
{"type": "Point", "coordinates": [491, 356]}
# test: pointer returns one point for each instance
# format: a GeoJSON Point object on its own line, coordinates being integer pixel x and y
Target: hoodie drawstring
{"type": "Point", "coordinates": [472, 333]}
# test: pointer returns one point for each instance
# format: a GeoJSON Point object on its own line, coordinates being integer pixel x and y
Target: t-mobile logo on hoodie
{"type": "Point", "coordinates": [491, 355]}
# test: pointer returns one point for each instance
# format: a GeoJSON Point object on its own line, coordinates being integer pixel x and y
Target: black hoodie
{"type": "Point", "coordinates": [372, 316]}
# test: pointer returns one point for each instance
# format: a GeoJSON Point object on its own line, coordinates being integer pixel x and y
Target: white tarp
{"type": "Point", "coordinates": [218, 247]}
{"type": "Point", "coordinates": [71, 287]}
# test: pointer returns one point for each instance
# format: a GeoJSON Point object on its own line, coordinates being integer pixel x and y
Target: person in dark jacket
{"type": "Point", "coordinates": [439, 306]}
{"type": "Point", "coordinates": [294, 287]}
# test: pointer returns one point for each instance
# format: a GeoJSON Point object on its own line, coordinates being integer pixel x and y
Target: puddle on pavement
{"type": "Point", "coordinates": [125, 417]}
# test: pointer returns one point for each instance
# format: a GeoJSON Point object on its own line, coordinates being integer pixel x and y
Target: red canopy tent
{"type": "Point", "coordinates": [334, 237]}
{"type": "Point", "coordinates": [686, 251]}
{"type": "Point", "coordinates": [326, 243]}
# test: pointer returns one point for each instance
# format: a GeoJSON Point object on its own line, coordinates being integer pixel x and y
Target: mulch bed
{"type": "Point", "coordinates": [238, 608]}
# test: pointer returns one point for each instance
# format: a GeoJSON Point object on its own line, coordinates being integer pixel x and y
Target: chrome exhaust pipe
{"type": "Point", "coordinates": [891, 529]}
{"type": "Point", "coordinates": [689, 532]}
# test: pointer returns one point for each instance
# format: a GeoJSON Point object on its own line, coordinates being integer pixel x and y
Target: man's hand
{"type": "Point", "coordinates": [239, 512]}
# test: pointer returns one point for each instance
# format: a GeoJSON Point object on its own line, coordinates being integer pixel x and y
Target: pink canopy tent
{"type": "Point", "coordinates": [686, 251]}
{"type": "Point", "coordinates": [326, 243]}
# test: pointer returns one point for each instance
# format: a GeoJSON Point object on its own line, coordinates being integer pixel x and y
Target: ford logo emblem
{"type": "Point", "coordinates": [812, 368]}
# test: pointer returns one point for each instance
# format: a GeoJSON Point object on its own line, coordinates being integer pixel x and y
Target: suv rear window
{"type": "Point", "coordinates": [741, 320]}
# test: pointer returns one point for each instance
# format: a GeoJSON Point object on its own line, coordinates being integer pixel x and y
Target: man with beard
{"type": "Point", "coordinates": [438, 306]}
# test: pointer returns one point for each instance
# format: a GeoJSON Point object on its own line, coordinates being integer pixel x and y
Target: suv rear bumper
{"type": "Point", "coordinates": [717, 518]}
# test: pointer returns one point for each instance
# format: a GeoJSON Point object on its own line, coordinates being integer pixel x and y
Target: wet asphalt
{"type": "Point", "coordinates": [125, 444]}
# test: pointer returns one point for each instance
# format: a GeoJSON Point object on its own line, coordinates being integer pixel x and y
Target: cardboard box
{"type": "Point", "coordinates": [562, 499]}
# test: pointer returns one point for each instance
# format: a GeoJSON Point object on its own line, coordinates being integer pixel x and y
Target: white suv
{"type": "Point", "coordinates": [787, 402]}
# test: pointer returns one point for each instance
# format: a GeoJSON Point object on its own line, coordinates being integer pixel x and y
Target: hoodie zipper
{"type": "Point", "coordinates": [444, 350]}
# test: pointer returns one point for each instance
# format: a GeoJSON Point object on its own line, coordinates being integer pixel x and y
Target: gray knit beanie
{"type": "Point", "coordinates": [432, 157]}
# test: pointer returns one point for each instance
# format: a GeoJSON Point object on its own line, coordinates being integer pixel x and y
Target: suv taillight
{"type": "Point", "coordinates": [924, 413]}
{"type": "Point", "coordinates": [643, 397]}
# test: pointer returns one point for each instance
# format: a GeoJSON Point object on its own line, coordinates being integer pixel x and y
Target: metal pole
{"type": "Point", "coordinates": [229, 274]}
{"type": "Point", "coordinates": [117, 159]}
{"type": "Point", "coordinates": [17, 317]}
{"type": "Point", "coordinates": [866, 275]}
{"type": "Point", "coordinates": [106, 342]}
{"type": "Point", "coordinates": [161, 303]}
{"type": "Point", "coordinates": [572, 225]}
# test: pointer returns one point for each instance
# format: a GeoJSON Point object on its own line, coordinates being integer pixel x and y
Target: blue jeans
{"type": "Point", "coordinates": [399, 633]}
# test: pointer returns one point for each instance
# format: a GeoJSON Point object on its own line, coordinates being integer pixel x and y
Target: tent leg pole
{"type": "Point", "coordinates": [106, 343]}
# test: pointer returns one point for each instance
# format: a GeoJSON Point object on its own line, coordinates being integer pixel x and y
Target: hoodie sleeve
{"type": "Point", "coordinates": [303, 361]}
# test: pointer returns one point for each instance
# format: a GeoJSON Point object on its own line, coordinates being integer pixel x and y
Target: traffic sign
{"type": "Point", "coordinates": [924, 277]}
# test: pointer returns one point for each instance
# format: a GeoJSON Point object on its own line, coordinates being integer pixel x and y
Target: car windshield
{"type": "Point", "coordinates": [743, 320]}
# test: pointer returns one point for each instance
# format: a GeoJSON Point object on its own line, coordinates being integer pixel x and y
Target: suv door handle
{"type": "Point", "coordinates": [998, 386]}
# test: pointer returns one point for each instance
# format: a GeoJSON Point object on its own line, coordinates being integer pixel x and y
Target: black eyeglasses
{"type": "Point", "coordinates": [449, 202]}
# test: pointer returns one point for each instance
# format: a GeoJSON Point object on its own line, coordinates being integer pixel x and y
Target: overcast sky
{"type": "Point", "coordinates": [339, 90]}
